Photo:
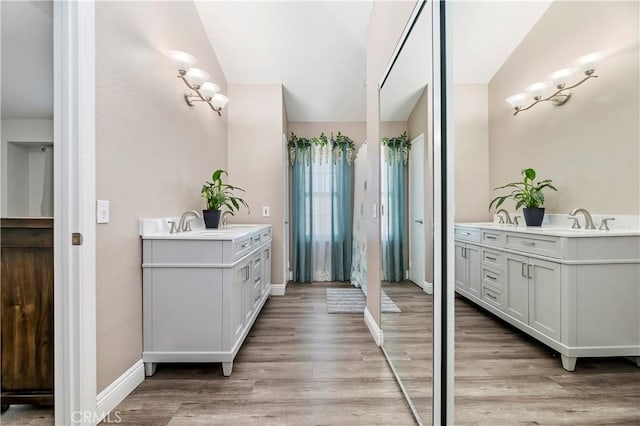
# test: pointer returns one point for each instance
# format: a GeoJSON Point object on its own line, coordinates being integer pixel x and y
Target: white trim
{"type": "Point", "coordinates": [74, 197]}
{"type": "Point", "coordinates": [427, 287]}
{"type": "Point", "coordinates": [375, 331]}
{"type": "Point", "coordinates": [117, 391]}
{"type": "Point", "coordinates": [278, 289]}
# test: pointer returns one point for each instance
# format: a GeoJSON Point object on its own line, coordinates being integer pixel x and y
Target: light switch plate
{"type": "Point", "coordinates": [265, 211]}
{"type": "Point", "coordinates": [102, 211]}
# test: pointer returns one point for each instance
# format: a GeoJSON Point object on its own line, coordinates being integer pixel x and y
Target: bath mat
{"type": "Point", "coordinates": [352, 301]}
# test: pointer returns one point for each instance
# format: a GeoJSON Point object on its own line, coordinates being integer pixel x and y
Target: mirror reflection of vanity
{"type": "Point", "coordinates": [406, 216]}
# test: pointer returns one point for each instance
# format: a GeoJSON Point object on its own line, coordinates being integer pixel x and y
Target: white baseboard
{"type": "Point", "coordinates": [278, 289]}
{"type": "Point", "coordinates": [117, 391]}
{"type": "Point", "coordinates": [427, 287]}
{"type": "Point", "coordinates": [375, 331]}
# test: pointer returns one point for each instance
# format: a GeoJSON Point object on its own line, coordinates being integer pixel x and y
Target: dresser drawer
{"type": "Point", "coordinates": [545, 246]}
{"type": "Point", "coordinates": [467, 234]}
{"type": "Point", "coordinates": [242, 247]}
{"type": "Point", "coordinates": [492, 258]}
{"type": "Point", "coordinates": [492, 296]}
{"type": "Point", "coordinates": [492, 278]}
{"type": "Point", "coordinates": [495, 238]}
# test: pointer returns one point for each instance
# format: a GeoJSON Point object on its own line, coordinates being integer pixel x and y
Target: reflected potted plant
{"type": "Point", "coordinates": [218, 194]}
{"type": "Point", "coordinates": [528, 195]}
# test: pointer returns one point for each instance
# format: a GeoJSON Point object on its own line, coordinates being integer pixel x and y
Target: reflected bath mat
{"type": "Point", "coordinates": [352, 301]}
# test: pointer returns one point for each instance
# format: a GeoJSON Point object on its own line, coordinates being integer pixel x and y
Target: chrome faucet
{"type": "Point", "coordinates": [224, 219]}
{"type": "Point", "coordinates": [506, 217]}
{"type": "Point", "coordinates": [588, 220]}
{"type": "Point", "coordinates": [185, 225]}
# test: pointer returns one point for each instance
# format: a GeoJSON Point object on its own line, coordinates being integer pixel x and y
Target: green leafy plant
{"type": "Point", "coordinates": [397, 142]}
{"type": "Point", "coordinates": [218, 194]}
{"type": "Point", "coordinates": [525, 193]}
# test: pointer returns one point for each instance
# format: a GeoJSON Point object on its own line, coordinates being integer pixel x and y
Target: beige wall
{"type": "Point", "coordinates": [590, 145]}
{"type": "Point", "coordinates": [471, 135]}
{"type": "Point", "coordinates": [419, 123]}
{"type": "Point", "coordinates": [255, 159]}
{"type": "Point", "coordinates": [356, 130]}
{"type": "Point", "coordinates": [153, 152]}
{"type": "Point", "coordinates": [387, 21]}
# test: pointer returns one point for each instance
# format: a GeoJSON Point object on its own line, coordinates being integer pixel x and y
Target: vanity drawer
{"type": "Point", "coordinates": [467, 234]}
{"type": "Point", "coordinates": [257, 261]}
{"type": "Point", "coordinates": [491, 277]}
{"type": "Point", "coordinates": [492, 258]}
{"type": "Point", "coordinates": [257, 287]}
{"type": "Point", "coordinates": [492, 296]}
{"type": "Point", "coordinates": [265, 235]}
{"type": "Point", "coordinates": [545, 246]}
{"type": "Point", "coordinates": [242, 247]}
{"type": "Point", "coordinates": [494, 238]}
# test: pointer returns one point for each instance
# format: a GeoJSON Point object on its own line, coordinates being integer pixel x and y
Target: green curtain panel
{"type": "Point", "coordinates": [393, 233]}
{"type": "Point", "coordinates": [302, 222]}
{"type": "Point", "coordinates": [322, 203]}
{"type": "Point", "coordinates": [341, 218]}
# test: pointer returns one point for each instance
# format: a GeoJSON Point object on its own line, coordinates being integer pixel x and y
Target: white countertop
{"type": "Point", "coordinates": [158, 229]}
{"type": "Point", "coordinates": [553, 230]}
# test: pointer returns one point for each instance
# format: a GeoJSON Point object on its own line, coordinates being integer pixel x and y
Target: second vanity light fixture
{"type": "Point", "coordinates": [535, 93]}
{"type": "Point", "coordinates": [196, 80]}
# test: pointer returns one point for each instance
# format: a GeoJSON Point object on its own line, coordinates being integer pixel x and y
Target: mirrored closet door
{"type": "Point", "coordinates": [406, 200]}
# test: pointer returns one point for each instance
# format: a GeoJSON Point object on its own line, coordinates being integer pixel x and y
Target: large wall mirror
{"type": "Point", "coordinates": [406, 199]}
{"type": "Point", "coordinates": [546, 330]}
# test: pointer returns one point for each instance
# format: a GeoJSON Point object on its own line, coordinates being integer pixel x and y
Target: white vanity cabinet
{"type": "Point", "coordinates": [578, 293]}
{"type": "Point", "coordinates": [202, 292]}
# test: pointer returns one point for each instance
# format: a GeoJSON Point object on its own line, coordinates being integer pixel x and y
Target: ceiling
{"type": "Point", "coordinates": [410, 73]}
{"type": "Point", "coordinates": [316, 50]}
{"type": "Point", "coordinates": [27, 59]}
{"type": "Point", "coordinates": [485, 33]}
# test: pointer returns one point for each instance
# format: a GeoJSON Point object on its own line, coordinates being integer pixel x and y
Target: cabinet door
{"type": "Point", "coordinates": [461, 267]}
{"type": "Point", "coordinates": [544, 297]}
{"type": "Point", "coordinates": [248, 293]}
{"type": "Point", "coordinates": [517, 297]}
{"type": "Point", "coordinates": [266, 264]}
{"type": "Point", "coordinates": [474, 270]}
{"type": "Point", "coordinates": [237, 302]}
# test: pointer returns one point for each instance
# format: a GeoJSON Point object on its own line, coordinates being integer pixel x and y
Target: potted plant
{"type": "Point", "coordinates": [528, 195]}
{"type": "Point", "coordinates": [219, 194]}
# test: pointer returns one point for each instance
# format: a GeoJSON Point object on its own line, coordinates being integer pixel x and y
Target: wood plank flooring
{"type": "Point", "coordinates": [302, 366]}
{"type": "Point", "coordinates": [298, 366]}
{"type": "Point", "coordinates": [504, 377]}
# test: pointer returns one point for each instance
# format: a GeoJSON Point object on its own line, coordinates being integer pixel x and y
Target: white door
{"type": "Point", "coordinates": [416, 212]}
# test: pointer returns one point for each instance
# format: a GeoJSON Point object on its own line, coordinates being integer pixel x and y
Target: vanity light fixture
{"type": "Point", "coordinates": [535, 93]}
{"type": "Point", "coordinates": [196, 80]}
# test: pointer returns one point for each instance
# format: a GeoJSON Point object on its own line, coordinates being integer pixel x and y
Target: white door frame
{"type": "Point", "coordinates": [423, 281]}
{"type": "Point", "coordinates": [74, 198]}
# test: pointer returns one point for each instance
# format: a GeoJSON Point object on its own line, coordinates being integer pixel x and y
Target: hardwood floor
{"type": "Point", "coordinates": [298, 366]}
{"type": "Point", "coordinates": [504, 377]}
{"type": "Point", "coordinates": [302, 366]}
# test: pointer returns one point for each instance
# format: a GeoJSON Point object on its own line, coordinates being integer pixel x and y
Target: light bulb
{"type": "Point", "coordinates": [517, 101]}
{"type": "Point", "coordinates": [197, 77]}
{"type": "Point", "coordinates": [561, 77]}
{"type": "Point", "coordinates": [219, 100]}
{"type": "Point", "coordinates": [587, 63]}
{"type": "Point", "coordinates": [209, 90]}
{"type": "Point", "coordinates": [537, 90]}
{"type": "Point", "coordinates": [182, 60]}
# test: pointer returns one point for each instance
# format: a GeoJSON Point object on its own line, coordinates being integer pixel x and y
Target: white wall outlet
{"type": "Point", "coordinates": [102, 211]}
{"type": "Point", "coordinates": [265, 211]}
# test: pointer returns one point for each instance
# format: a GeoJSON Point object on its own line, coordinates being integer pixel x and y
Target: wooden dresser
{"type": "Point", "coordinates": [27, 311]}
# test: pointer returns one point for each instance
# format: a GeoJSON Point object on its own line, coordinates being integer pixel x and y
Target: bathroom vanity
{"type": "Point", "coordinates": [202, 292]}
{"type": "Point", "coordinates": [578, 291]}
